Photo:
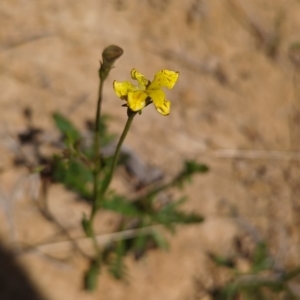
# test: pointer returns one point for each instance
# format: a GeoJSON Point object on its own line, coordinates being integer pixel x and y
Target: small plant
{"type": "Point", "coordinates": [263, 280]}
{"type": "Point", "coordinates": [84, 169]}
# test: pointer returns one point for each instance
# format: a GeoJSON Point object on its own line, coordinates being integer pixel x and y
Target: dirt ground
{"type": "Point", "coordinates": [236, 107]}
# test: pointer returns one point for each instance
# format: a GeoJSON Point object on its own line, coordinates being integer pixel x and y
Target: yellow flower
{"type": "Point", "coordinates": [138, 97]}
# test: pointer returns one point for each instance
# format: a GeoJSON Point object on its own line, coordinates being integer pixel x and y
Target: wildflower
{"type": "Point", "coordinates": [146, 92]}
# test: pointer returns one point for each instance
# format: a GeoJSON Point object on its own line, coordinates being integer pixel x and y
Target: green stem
{"type": "Point", "coordinates": [108, 178]}
{"type": "Point", "coordinates": [97, 153]}
{"type": "Point", "coordinates": [109, 55]}
{"type": "Point", "coordinates": [97, 167]}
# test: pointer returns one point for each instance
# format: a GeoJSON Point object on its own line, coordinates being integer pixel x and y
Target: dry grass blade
{"type": "Point", "coordinates": [85, 243]}
{"type": "Point", "coordinates": [257, 154]}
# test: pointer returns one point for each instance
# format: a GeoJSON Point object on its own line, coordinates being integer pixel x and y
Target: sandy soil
{"type": "Point", "coordinates": [236, 107]}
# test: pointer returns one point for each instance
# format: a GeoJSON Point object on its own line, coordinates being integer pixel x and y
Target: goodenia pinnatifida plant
{"type": "Point", "coordinates": [88, 167]}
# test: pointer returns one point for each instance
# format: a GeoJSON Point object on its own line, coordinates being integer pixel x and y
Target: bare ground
{"type": "Point", "coordinates": [236, 107]}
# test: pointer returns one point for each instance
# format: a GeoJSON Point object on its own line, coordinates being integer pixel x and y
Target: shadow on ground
{"type": "Point", "coordinates": [14, 282]}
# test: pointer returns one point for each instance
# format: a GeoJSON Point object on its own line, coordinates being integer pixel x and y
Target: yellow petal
{"type": "Point", "coordinates": [161, 104]}
{"type": "Point", "coordinates": [123, 88]}
{"type": "Point", "coordinates": [142, 81]}
{"type": "Point", "coordinates": [164, 78]}
{"type": "Point", "coordinates": [136, 100]}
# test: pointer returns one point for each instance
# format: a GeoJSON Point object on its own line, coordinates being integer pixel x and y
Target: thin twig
{"type": "Point", "coordinates": [257, 154]}
{"type": "Point", "coordinates": [102, 239]}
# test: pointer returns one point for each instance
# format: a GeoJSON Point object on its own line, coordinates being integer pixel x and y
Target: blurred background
{"type": "Point", "coordinates": [236, 107]}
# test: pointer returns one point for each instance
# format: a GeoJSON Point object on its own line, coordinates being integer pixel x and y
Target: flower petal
{"type": "Point", "coordinates": [141, 79]}
{"type": "Point", "coordinates": [161, 104]}
{"type": "Point", "coordinates": [136, 100]}
{"type": "Point", "coordinates": [123, 88]}
{"type": "Point", "coordinates": [164, 78]}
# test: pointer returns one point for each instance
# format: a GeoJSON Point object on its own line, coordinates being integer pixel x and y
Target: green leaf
{"type": "Point", "coordinates": [221, 260]}
{"type": "Point", "coordinates": [74, 175]}
{"type": "Point", "coordinates": [66, 127]}
{"type": "Point", "coordinates": [116, 265]}
{"type": "Point", "coordinates": [160, 240]}
{"type": "Point", "coordinates": [91, 276]}
{"type": "Point", "coordinates": [229, 292]}
{"type": "Point", "coordinates": [170, 214]}
{"type": "Point", "coordinates": [140, 244]}
{"type": "Point", "coordinates": [86, 225]}
{"type": "Point", "coordinates": [261, 260]}
{"type": "Point", "coordinates": [166, 217]}
{"type": "Point", "coordinates": [120, 205]}
{"type": "Point", "coordinates": [192, 167]}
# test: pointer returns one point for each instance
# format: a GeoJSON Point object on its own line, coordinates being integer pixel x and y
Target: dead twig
{"type": "Point", "coordinates": [257, 154]}
{"type": "Point", "coordinates": [86, 243]}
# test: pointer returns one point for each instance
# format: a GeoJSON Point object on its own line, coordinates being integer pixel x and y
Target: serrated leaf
{"type": "Point", "coordinates": [120, 205]}
{"type": "Point", "coordinates": [179, 217]}
{"type": "Point", "coordinates": [190, 168]}
{"type": "Point", "coordinates": [171, 214]}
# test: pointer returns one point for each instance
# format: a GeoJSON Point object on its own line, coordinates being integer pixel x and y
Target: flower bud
{"type": "Point", "coordinates": [111, 54]}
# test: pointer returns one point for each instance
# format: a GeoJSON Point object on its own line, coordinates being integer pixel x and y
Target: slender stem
{"type": "Point", "coordinates": [97, 118]}
{"type": "Point", "coordinates": [108, 178]}
{"type": "Point", "coordinates": [98, 194]}
{"type": "Point", "coordinates": [97, 167]}
{"type": "Point", "coordinates": [109, 55]}
{"type": "Point", "coordinates": [97, 152]}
